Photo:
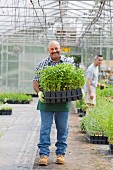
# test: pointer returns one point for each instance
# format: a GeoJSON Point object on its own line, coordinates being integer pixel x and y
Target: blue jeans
{"type": "Point", "coordinates": [61, 121]}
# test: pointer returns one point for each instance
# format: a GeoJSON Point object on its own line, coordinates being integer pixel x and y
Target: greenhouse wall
{"type": "Point", "coordinates": [18, 62]}
{"type": "Point", "coordinates": [17, 69]}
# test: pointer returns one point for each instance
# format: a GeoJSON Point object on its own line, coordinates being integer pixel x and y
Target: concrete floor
{"type": "Point", "coordinates": [20, 135]}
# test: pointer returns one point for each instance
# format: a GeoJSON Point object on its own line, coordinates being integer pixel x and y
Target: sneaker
{"type": "Point", "coordinates": [60, 159]}
{"type": "Point", "coordinates": [43, 160]}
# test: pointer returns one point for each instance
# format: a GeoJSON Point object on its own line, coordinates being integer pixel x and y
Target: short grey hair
{"type": "Point", "coordinates": [53, 42]}
{"type": "Point", "coordinates": [97, 56]}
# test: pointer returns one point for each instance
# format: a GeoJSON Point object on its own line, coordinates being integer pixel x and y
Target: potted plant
{"type": "Point", "coordinates": [95, 123]}
{"type": "Point", "coordinates": [108, 107]}
{"type": "Point", "coordinates": [61, 83]}
{"type": "Point", "coordinates": [15, 98]}
{"type": "Point", "coordinates": [5, 109]}
{"type": "Point", "coordinates": [108, 128]}
{"type": "Point", "coordinates": [81, 107]}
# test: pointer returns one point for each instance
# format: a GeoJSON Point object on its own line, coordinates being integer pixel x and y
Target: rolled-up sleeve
{"type": "Point", "coordinates": [36, 78]}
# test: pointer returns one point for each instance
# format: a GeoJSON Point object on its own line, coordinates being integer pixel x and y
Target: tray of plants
{"type": "Point", "coordinates": [61, 83]}
{"type": "Point", "coordinates": [5, 109]}
{"type": "Point", "coordinates": [62, 96]}
{"type": "Point", "coordinates": [97, 138]}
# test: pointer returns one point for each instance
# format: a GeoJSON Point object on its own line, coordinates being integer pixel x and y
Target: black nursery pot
{"type": "Point", "coordinates": [81, 113]}
{"type": "Point", "coordinates": [74, 95]}
{"type": "Point", "coordinates": [47, 97]}
{"type": "Point", "coordinates": [79, 93]}
{"type": "Point", "coordinates": [78, 110]}
{"type": "Point", "coordinates": [111, 147]}
{"type": "Point", "coordinates": [69, 95]}
{"type": "Point", "coordinates": [53, 97]}
{"type": "Point", "coordinates": [101, 87]}
{"type": "Point", "coordinates": [58, 96]}
{"type": "Point", "coordinates": [5, 112]}
{"type": "Point", "coordinates": [63, 96]}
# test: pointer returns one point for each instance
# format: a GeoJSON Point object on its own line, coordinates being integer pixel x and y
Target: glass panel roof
{"type": "Point", "coordinates": [67, 21]}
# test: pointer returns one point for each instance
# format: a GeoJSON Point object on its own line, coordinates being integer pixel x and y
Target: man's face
{"type": "Point", "coordinates": [54, 50]}
{"type": "Point", "coordinates": [98, 61]}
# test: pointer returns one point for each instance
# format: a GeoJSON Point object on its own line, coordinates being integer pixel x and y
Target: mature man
{"type": "Point", "coordinates": [92, 80]}
{"type": "Point", "coordinates": [58, 111]}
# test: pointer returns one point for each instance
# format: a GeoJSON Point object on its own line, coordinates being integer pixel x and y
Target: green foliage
{"type": "Point", "coordinates": [100, 117]}
{"type": "Point", "coordinates": [95, 120]}
{"type": "Point", "coordinates": [5, 107]}
{"type": "Point", "coordinates": [60, 77]}
{"type": "Point", "coordinates": [82, 123]}
{"type": "Point", "coordinates": [81, 104]}
{"type": "Point", "coordinates": [108, 126]}
{"type": "Point", "coordinates": [106, 92]}
{"type": "Point", "coordinates": [15, 97]}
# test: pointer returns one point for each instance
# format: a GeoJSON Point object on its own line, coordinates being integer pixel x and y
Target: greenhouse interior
{"type": "Point", "coordinates": [83, 119]}
{"type": "Point", "coordinates": [83, 28]}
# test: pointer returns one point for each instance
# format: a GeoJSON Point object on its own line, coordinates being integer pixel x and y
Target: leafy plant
{"type": "Point", "coordinates": [100, 118]}
{"type": "Point", "coordinates": [60, 77]}
{"type": "Point", "coordinates": [82, 123]}
{"type": "Point", "coordinates": [106, 92]}
{"type": "Point", "coordinates": [15, 98]}
{"type": "Point", "coordinates": [81, 104]}
{"type": "Point", "coordinates": [5, 107]}
{"type": "Point", "coordinates": [95, 120]}
{"type": "Point", "coordinates": [108, 127]}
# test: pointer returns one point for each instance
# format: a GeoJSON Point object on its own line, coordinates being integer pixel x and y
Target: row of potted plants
{"type": "Point", "coordinates": [5, 109]}
{"type": "Point", "coordinates": [98, 123]}
{"type": "Point", "coordinates": [15, 98]}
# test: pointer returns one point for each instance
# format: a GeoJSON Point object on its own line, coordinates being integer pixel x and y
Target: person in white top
{"type": "Point", "coordinates": [92, 80]}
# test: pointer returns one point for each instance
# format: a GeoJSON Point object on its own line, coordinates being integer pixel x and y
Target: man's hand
{"type": "Point", "coordinates": [91, 96]}
{"type": "Point", "coordinates": [41, 96]}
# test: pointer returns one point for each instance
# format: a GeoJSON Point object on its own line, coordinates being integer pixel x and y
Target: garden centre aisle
{"type": "Point", "coordinates": [19, 137]}
{"type": "Point", "coordinates": [20, 134]}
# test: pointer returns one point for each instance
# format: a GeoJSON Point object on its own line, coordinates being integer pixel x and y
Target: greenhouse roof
{"type": "Point", "coordinates": [74, 22]}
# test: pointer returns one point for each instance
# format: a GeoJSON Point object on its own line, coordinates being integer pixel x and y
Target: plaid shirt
{"type": "Point", "coordinates": [50, 62]}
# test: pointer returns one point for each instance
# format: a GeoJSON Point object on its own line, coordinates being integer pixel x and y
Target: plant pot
{"type": "Point", "coordinates": [78, 110]}
{"type": "Point", "coordinates": [58, 96]}
{"type": "Point", "coordinates": [63, 96]}
{"type": "Point", "coordinates": [97, 139]}
{"type": "Point", "coordinates": [79, 93]}
{"type": "Point", "coordinates": [81, 113]}
{"type": "Point", "coordinates": [53, 97]}
{"type": "Point", "coordinates": [74, 95]}
{"type": "Point", "coordinates": [47, 96]}
{"type": "Point", "coordinates": [69, 95]}
{"type": "Point", "coordinates": [101, 87]}
{"type": "Point", "coordinates": [5, 112]}
{"type": "Point", "coordinates": [111, 148]}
